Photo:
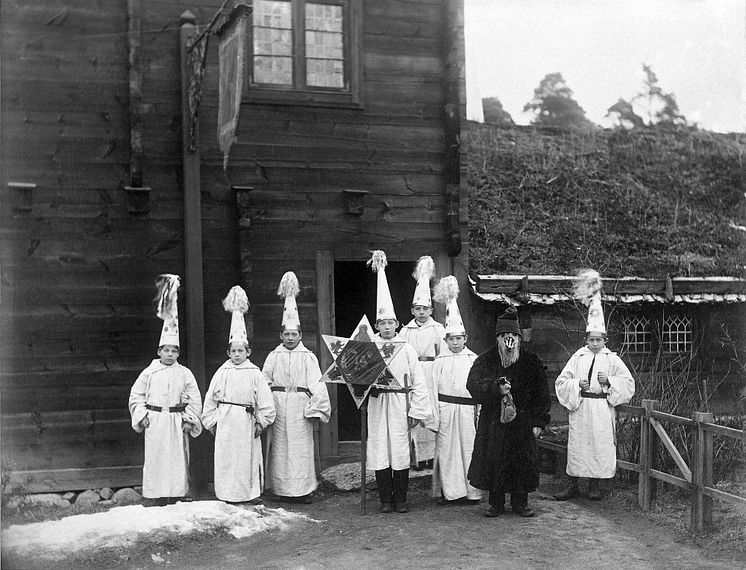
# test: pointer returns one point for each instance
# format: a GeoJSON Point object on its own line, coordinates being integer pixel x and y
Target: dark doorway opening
{"type": "Point", "coordinates": [355, 295]}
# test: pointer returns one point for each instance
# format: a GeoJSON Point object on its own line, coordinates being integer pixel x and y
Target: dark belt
{"type": "Point", "coordinates": [248, 407]}
{"type": "Point", "coordinates": [456, 400]}
{"type": "Point", "coordinates": [425, 358]}
{"type": "Point", "coordinates": [178, 408]}
{"type": "Point", "coordinates": [594, 395]}
{"type": "Point", "coordinates": [288, 389]}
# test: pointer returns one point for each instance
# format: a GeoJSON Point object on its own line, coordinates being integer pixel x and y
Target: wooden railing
{"type": "Point", "coordinates": [696, 478]}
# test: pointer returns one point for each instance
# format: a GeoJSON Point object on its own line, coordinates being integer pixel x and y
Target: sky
{"type": "Point", "coordinates": [122, 526]}
{"type": "Point", "coordinates": [697, 48]}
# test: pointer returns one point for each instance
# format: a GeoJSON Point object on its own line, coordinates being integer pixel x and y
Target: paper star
{"type": "Point", "coordinates": [361, 361]}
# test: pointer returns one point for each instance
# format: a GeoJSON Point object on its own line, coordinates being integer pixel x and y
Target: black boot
{"type": "Point", "coordinates": [401, 486]}
{"type": "Point", "coordinates": [569, 492]}
{"type": "Point", "coordinates": [594, 492]}
{"type": "Point", "coordinates": [497, 505]}
{"type": "Point", "coordinates": [385, 484]}
{"type": "Point", "coordinates": [519, 504]}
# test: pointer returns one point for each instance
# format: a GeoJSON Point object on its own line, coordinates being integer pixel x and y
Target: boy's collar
{"type": "Point", "coordinates": [414, 323]}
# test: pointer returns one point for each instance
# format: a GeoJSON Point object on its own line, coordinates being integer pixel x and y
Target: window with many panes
{"type": "Point", "coordinates": [304, 51]}
{"type": "Point", "coordinates": [676, 335]}
{"type": "Point", "coordinates": [637, 335]}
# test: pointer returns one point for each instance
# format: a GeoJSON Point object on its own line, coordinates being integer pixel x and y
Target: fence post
{"type": "Point", "coordinates": [701, 509]}
{"type": "Point", "coordinates": [644, 485]}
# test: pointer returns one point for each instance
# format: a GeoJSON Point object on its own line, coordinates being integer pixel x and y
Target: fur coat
{"type": "Point", "coordinates": [504, 457]}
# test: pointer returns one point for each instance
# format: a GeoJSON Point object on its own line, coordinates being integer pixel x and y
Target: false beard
{"type": "Point", "coordinates": [508, 356]}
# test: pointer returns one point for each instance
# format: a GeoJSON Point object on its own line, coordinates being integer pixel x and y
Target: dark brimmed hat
{"type": "Point", "coordinates": [508, 322]}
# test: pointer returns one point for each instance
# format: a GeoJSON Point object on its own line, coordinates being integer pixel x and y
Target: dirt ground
{"type": "Point", "coordinates": [577, 534]}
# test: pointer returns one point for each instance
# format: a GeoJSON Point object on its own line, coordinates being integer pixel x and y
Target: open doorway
{"type": "Point", "coordinates": [355, 295]}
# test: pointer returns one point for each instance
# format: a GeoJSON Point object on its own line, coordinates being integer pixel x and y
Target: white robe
{"type": "Point", "coordinates": [428, 341]}
{"type": "Point", "coordinates": [239, 469]}
{"type": "Point", "coordinates": [165, 472]}
{"type": "Point", "coordinates": [388, 432]}
{"type": "Point", "coordinates": [457, 427]}
{"type": "Point", "coordinates": [591, 444]}
{"type": "Point", "coordinates": [291, 471]}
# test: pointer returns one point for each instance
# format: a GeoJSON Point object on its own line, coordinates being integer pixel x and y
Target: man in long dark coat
{"type": "Point", "coordinates": [504, 458]}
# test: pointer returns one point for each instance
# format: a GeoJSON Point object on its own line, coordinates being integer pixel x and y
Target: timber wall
{"type": "Point", "coordinates": [557, 331]}
{"type": "Point", "coordinates": [78, 268]}
{"type": "Point", "coordinates": [299, 160]}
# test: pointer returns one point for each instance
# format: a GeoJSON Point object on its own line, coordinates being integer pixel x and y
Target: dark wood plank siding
{"type": "Point", "coordinates": [394, 148]}
{"type": "Point", "coordinates": [77, 270]}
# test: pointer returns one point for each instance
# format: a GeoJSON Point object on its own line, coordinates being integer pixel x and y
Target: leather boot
{"type": "Point", "coordinates": [400, 484]}
{"type": "Point", "coordinates": [594, 491]}
{"type": "Point", "coordinates": [385, 484]}
{"type": "Point", "coordinates": [569, 492]}
{"type": "Point", "coordinates": [497, 504]}
{"type": "Point", "coordinates": [519, 504]}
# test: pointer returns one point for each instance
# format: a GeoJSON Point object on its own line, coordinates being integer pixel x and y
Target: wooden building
{"type": "Point", "coordinates": [688, 329]}
{"type": "Point", "coordinates": [348, 141]}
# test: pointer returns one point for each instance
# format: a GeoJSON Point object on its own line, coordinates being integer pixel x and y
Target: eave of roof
{"type": "Point", "coordinates": [551, 289]}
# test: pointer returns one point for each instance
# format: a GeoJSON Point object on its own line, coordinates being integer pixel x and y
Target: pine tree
{"type": "Point", "coordinates": [661, 108]}
{"type": "Point", "coordinates": [553, 105]}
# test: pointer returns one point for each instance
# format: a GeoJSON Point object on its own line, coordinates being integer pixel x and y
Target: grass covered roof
{"type": "Point", "coordinates": [644, 202]}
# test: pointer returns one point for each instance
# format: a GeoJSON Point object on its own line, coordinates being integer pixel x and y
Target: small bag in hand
{"type": "Point", "coordinates": [507, 409]}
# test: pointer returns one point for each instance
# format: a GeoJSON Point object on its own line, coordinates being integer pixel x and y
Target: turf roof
{"type": "Point", "coordinates": [643, 203]}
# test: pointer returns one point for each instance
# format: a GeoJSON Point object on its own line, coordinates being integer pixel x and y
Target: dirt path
{"type": "Point", "coordinates": [578, 534]}
{"type": "Point", "coordinates": [563, 535]}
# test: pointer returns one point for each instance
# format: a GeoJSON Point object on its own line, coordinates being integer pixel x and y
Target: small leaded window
{"type": "Point", "coordinates": [637, 335]}
{"type": "Point", "coordinates": [677, 334]}
{"type": "Point", "coordinates": [305, 51]}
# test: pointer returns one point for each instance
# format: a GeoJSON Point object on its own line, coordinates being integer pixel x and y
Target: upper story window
{"type": "Point", "coordinates": [677, 334]}
{"type": "Point", "coordinates": [305, 52]}
{"type": "Point", "coordinates": [637, 335]}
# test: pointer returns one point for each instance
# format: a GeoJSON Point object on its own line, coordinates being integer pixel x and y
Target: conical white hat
{"type": "Point", "coordinates": [166, 307]}
{"type": "Point", "coordinates": [289, 289]}
{"type": "Point", "coordinates": [596, 315]}
{"type": "Point", "coordinates": [423, 273]}
{"type": "Point", "coordinates": [588, 290]}
{"type": "Point", "coordinates": [384, 303]}
{"type": "Point", "coordinates": [237, 303]}
{"type": "Point", "coordinates": [446, 291]}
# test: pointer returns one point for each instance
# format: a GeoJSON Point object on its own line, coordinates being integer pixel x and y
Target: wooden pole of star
{"type": "Point", "coordinates": [363, 452]}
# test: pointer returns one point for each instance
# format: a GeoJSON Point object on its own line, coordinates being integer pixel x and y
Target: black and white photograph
{"type": "Point", "coordinates": [377, 284]}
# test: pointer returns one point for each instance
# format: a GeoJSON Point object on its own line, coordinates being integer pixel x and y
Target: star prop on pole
{"type": "Point", "coordinates": [361, 362]}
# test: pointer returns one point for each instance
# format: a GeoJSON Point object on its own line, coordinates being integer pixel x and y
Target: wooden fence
{"type": "Point", "coordinates": [696, 478]}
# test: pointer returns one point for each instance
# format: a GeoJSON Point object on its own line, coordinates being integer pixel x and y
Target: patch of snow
{"type": "Point", "coordinates": [123, 526]}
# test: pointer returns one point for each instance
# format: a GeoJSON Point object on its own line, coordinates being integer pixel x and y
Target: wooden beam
{"type": "Point", "coordinates": [726, 497]}
{"type": "Point", "coordinates": [58, 480]}
{"type": "Point", "coordinates": [629, 466]}
{"type": "Point", "coordinates": [453, 56]}
{"type": "Point", "coordinates": [328, 433]}
{"type": "Point", "coordinates": [671, 448]}
{"type": "Point", "coordinates": [701, 504]}
{"type": "Point", "coordinates": [670, 479]}
{"type": "Point", "coordinates": [563, 284]}
{"type": "Point", "coordinates": [645, 490]}
{"type": "Point", "coordinates": [194, 282]}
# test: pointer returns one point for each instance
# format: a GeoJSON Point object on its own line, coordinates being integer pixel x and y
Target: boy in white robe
{"type": "Point", "coordinates": [238, 407]}
{"type": "Point", "coordinates": [456, 420]}
{"type": "Point", "coordinates": [300, 400]}
{"type": "Point", "coordinates": [592, 382]}
{"type": "Point", "coordinates": [392, 415]}
{"type": "Point", "coordinates": [425, 335]}
{"type": "Point", "coordinates": [166, 404]}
